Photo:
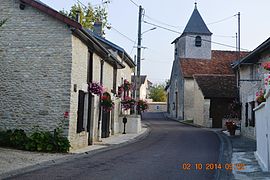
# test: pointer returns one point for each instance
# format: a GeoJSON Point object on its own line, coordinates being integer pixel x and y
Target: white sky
{"type": "Point", "coordinates": [158, 56]}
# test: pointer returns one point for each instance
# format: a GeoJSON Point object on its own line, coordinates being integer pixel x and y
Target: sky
{"type": "Point", "coordinates": [157, 56]}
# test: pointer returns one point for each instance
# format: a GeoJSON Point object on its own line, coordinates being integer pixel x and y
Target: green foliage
{"type": "Point", "coordinates": [38, 141]}
{"type": "Point", "coordinates": [88, 15]}
{"type": "Point", "coordinates": [158, 93]}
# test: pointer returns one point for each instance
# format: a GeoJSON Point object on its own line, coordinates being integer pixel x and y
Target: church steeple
{"type": "Point", "coordinates": [196, 24]}
{"type": "Point", "coordinates": [195, 41]}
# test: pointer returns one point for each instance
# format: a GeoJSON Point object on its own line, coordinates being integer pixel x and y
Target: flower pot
{"type": "Point", "coordinates": [232, 132]}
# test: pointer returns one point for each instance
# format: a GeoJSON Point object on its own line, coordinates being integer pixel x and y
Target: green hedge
{"type": "Point", "coordinates": [38, 141]}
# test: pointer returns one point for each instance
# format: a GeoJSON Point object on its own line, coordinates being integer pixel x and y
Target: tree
{"type": "Point", "coordinates": [88, 15]}
{"type": "Point", "coordinates": [158, 93]}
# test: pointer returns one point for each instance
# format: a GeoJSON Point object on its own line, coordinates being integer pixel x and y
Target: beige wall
{"type": "Point", "coordinates": [198, 106]}
{"type": "Point", "coordinates": [143, 90]}
{"type": "Point", "coordinates": [79, 79]}
{"type": "Point", "coordinates": [189, 99]}
{"type": "Point", "coordinates": [157, 107]}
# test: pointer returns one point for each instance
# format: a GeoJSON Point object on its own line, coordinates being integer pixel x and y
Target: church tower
{"type": "Point", "coordinates": [195, 41]}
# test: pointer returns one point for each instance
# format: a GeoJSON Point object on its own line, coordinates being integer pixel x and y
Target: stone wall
{"type": "Point", "coordinates": [189, 50]}
{"type": "Point", "coordinates": [176, 86]}
{"type": "Point", "coordinates": [198, 106]}
{"type": "Point", "coordinates": [189, 99]}
{"type": "Point", "coordinates": [157, 107]}
{"type": "Point", "coordinates": [78, 82]}
{"type": "Point", "coordinates": [35, 53]}
{"type": "Point", "coordinates": [248, 91]}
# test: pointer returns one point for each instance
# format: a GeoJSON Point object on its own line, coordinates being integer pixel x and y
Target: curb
{"type": "Point", "coordinates": [225, 156]}
{"type": "Point", "coordinates": [72, 157]}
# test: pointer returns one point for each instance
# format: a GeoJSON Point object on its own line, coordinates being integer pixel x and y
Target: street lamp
{"type": "Point", "coordinates": [140, 33]}
{"type": "Point", "coordinates": [149, 30]}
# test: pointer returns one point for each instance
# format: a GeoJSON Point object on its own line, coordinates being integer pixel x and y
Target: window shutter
{"type": "Point", "coordinates": [80, 112]}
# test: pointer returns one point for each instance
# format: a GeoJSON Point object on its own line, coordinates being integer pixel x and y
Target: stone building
{"type": "Point", "coordinates": [145, 86]}
{"type": "Point", "coordinates": [47, 60]}
{"type": "Point", "coordinates": [251, 81]}
{"type": "Point", "coordinates": [194, 57]}
{"type": "Point", "coordinates": [119, 75]}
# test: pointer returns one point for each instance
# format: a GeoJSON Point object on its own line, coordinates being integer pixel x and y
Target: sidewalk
{"type": "Point", "coordinates": [13, 162]}
{"type": "Point", "coordinates": [243, 152]}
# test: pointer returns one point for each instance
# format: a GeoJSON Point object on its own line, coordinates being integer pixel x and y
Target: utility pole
{"type": "Point", "coordinates": [138, 79]}
{"type": "Point", "coordinates": [238, 69]}
{"type": "Point", "coordinates": [239, 34]}
{"type": "Point", "coordinates": [238, 53]}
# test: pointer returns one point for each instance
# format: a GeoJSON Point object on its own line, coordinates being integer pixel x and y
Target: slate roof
{"type": "Point", "coordinates": [254, 56]}
{"type": "Point", "coordinates": [217, 86]}
{"type": "Point", "coordinates": [143, 78]}
{"type": "Point", "coordinates": [196, 24]}
{"type": "Point", "coordinates": [130, 62]}
{"type": "Point", "coordinates": [219, 64]}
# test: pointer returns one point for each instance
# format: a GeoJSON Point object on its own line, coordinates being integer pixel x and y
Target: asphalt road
{"type": "Point", "coordinates": [169, 152]}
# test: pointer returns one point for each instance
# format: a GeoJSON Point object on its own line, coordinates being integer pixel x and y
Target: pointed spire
{"type": "Point", "coordinates": [196, 24]}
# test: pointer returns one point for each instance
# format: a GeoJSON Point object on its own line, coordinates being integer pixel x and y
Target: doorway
{"type": "Point", "coordinates": [106, 118]}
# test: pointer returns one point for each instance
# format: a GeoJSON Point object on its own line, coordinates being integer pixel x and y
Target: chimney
{"type": "Point", "coordinates": [78, 16]}
{"type": "Point", "coordinates": [98, 28]}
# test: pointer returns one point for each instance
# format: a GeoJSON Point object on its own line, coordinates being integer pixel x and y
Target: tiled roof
{"type": "Point", "coordinates": [143, 78]}
{"type": "Point", "coordinates": [219, 64]}
{"type": "Point", "coordinates": [217, 86]}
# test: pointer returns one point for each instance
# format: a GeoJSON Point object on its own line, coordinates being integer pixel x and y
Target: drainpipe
{"type": "Point", "coordinates": [100, 108]}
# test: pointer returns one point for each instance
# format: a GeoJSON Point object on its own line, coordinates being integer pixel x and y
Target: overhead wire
{"type": "Point", "coordinates": [134, 3]}
{"type": "Point", "coordinates": [131, 40]}
{"type": "Point", "coordinates": [224, 19]}
{"type": "Point", "coordinates": [222, 44]}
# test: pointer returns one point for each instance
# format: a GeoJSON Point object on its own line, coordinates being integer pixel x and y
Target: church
{"type": "Point", "coordinates": [202, 82]}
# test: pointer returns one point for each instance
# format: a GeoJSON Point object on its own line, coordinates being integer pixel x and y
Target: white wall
{"type": "Point", "coordinates": [263, 131]}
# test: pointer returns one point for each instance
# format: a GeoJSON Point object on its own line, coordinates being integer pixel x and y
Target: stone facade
{"type": "Point", "coordinates": [185, 47]}
{"type": "Point", "coordinates": [36, 64]}
{"type": "Point", "coordinates": [176, 93]}
{"type": "Point", "coordinates": [44, 65]}
{"type": "Point", "coordinates": [79, 80]}
{"type": "Point", "coordinates": [189, 98]}
{"type": "Point", "coordinates": [251, 76]}
{"type": "Point", "coordinates": [198, 106]}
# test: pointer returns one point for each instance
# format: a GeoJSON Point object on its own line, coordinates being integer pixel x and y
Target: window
{"type": "Point", "coordinates": [198, 41]}
{"type": "Point", "coordinates": [250, 114]}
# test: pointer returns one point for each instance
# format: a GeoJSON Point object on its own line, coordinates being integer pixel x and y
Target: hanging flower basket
{"type": "Point", "coordinates": [128, 103]}
{"type": "Point", "coordinates": [260, 96]}
{"type": "Point", "coordinates": [106, 103]}
{"type": "Point", "coordinates": [127, 85]}
{"type": "Point", "coordinates": [266, 80]}
{"type": "Point", "coordinates": [142, 105]}
{"type": "Point", "coordinates": [95, 88]}
{"type": "Point", "coordinates": [266, 66]}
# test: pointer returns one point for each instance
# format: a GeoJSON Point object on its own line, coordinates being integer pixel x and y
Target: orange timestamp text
{"type": "Point", "coordinates": [213, 166]}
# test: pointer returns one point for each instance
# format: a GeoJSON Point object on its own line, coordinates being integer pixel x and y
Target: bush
{"type": "Point", "coordinates": [38, 141]}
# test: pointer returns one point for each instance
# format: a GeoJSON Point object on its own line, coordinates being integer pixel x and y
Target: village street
{"type": "Point", "coordinates": [163, 154]}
